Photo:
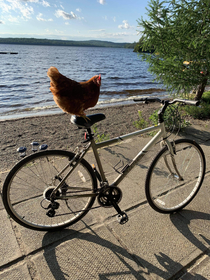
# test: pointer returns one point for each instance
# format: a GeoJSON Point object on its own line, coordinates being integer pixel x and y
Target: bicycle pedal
{"type": "Point", "coordinates": [122, 218]}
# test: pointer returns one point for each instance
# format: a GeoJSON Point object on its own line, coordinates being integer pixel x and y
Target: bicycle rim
{"type": "Point", "coordinates": [165, 190]}
{"type": "Point", "coordinates": [28, 186]}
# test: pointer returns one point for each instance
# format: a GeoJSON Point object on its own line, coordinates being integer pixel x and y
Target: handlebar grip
{"type": "Point", "coordinates": [188, 102]}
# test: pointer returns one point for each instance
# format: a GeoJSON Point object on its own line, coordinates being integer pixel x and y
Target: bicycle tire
{"type": "Point", "coordinates": [27, 187]}
{"type": "Point", "coordinates": [164, 191]}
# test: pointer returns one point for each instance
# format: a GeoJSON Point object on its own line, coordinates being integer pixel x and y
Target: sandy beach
{"type": "Point", "coordinates": [59, 133]}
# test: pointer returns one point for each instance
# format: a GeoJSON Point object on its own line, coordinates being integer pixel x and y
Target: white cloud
{"type": "Point", "coordinates": [59, 31]}
{"type": "Point", "coordinates": [27, 11]}
{"type": "Point", "coordinates": [125, 25]}
{"type": "Point", "coordinates": [114, 19]}
{"type": "Point", "coordinates": [1, 22]}
{"type": "Point", "coordinates": [64, 15]}
{"type": "Point", "coordinates": [13, 19]}
{"type": "Point", "coordinates": [31, 1]}
{"type": "Point", "coordinates": [119, 34]}
{"type": "Point", "coordinates": [42, 2]}
{"type": "Point", "coordinates": [101, 34]}
{"type": "Point", "coordinates": [102, 2]}
{"type": "Point", "coordinates": [21, 6]}
{"type": "Point", "coordinates": [40, 18]}
{"type": "Point", "coordinates": [15, 5]}
{"type": "Point", "coordinates": [97, 30]}
{"type": "Point", "coordinates": [5, 7]}
{"type": "Point", "coordinates": [45, 3]}
{"type": "Point", "coordinates": [78, 10]}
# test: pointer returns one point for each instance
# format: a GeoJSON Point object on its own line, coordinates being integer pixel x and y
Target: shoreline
{"type": "Point", "coordinates": [56, 110]}
{"type": "Point", "coordinates": [112, 102]}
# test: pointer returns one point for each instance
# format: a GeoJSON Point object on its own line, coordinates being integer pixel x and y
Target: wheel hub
{"type": "Point", "coordinates": [47, 194]}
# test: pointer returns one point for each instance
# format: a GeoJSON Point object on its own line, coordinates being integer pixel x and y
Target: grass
{"type": "Point", "coordinates": [203, 110]}
{"type": "Point", "coordinates": [99, 137]}
{"type": "Point", "coordinates": [140, 123]}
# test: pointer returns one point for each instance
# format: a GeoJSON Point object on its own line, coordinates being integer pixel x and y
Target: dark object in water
{"type": "Point", "coordinates": [8, 53]}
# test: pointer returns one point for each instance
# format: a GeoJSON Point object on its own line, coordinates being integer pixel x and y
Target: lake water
{"type": "Point", "coordinates": [24, 85]}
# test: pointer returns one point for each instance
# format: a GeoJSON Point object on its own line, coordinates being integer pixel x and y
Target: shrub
{"type": "Point", "coordinates": [203, 110]}
{"type": "Point", "coordinates": [173, 118]}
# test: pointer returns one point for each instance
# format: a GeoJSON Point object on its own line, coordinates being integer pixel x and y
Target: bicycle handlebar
{"type": "Point", "coordinates": [187, 102]}
{"type": "Point", "coordinates": [147, 100]}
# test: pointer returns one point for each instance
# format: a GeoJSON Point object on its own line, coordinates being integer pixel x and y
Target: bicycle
{"type": "Point", "coordinates": [53, 189]}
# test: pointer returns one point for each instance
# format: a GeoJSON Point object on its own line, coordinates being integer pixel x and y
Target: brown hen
{"type": "Point", "coordinates": [73, 97]}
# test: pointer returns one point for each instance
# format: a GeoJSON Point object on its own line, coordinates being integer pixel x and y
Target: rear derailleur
{"type": "Point", "coordinates": [110, 196]}
{"type": "Point", "coordinates": [53, 205]}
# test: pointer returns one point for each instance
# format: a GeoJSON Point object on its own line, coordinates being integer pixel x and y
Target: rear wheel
{"type": "Point", "coordinates": [28, 188]}
{"type": "Point", "coordinates": [166, 192]}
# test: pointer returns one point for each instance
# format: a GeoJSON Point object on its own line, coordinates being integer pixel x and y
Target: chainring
{"type": "Point", "coordinates": [108, 194]}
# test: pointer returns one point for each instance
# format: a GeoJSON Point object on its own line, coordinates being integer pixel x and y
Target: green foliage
{"type": "Point", "coordinates": [99, 137]}
{"type": "Point", "coordinates": [206, 97]}
{"type": "Point", "coordinates": [130, 45]}
{"type": "Point", "coordinates": [202, 111]}
{"type": "Point", "coordinates": [173, 119]}
{"type": "Point", "coordinates": [178, 31]}
{"type": "Point", "coordinates": [140, 123]}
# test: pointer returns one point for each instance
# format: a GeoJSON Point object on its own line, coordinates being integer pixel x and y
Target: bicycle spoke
{"type": "Point", "coordinates": [165, 191]}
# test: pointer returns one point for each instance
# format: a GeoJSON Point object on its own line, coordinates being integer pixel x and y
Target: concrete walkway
{"type": "Point", "coordinates": [149, 246]}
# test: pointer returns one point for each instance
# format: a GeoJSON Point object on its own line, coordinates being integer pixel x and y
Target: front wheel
{"type": "Point", "coordinates": [171, 185]}
{"type": "Point", "coordinates": [28, 191]}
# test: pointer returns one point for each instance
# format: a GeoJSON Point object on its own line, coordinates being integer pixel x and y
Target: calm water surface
{"type": "Point", "coordinates": [24, 85]}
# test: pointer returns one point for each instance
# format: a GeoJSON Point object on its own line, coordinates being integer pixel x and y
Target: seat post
{"type": "Point", "coordinates": [96, 155]}
{"type": "Point", "coordinates": [90, 133]}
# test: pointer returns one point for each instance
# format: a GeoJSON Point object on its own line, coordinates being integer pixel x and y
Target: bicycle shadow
{"type": "Point", "coordinates": [123, 154]}
{"type": "Point", "coordinates": [186, 216]}
{"type": "Point", "coordinates": [126, 266]}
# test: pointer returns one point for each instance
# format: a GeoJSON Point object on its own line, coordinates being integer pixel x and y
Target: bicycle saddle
{"type": "Point", "coordinates": [88, 122]}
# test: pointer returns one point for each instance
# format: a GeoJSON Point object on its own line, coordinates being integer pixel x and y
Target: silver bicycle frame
{"type": "Point", "coordinates": [161, 134]}
{"type": "Point", "coordinates": [95, 146]}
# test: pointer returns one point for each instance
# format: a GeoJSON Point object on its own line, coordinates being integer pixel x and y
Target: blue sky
{"type": "Point", "coordinates": [110, 20]}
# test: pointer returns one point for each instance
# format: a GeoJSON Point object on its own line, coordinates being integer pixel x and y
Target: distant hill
{"type": "Point", "coordinates": [51, 42]}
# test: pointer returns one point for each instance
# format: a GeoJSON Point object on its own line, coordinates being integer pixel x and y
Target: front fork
{"type": "Point", "coordinates": [172, 150]}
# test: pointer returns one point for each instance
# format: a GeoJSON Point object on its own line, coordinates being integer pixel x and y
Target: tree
{"type": "Point", "coordinates": [178, 31]}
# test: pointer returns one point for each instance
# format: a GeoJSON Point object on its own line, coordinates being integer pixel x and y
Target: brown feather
{"type": "Point", "coordinates": [71, 96]}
